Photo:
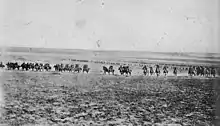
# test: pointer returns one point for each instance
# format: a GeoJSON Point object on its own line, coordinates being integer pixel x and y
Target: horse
{"type": "Point", "coordinates": [151, 71]}
{"type": "Point", "coordinates": [86, 68]}
{"type": "Point", "coordinates": [145, 70]}
{"type": "Point", "coordinates": [77, 68]}
{"type": "Point", "coordinates": [56, 67]}
{"type": "Point", "coordinates": [105, 69]}
{"type": "Point", "coordinates": [157, 71]}
{"type": "Point", "coordinates": [32, 66]}
{"type": "Point", "coordinates": [175, 71]}
{"type": "Point", "coordinates": [191, 71]}
{"type": "Point", "coordinates": [13, 66]}
{"type": "Point", "coordinates": [213, 72]}
{"type": "Point", "coordinates": [165, 71]}
{"type": "Point", "coordinates": [207, 71]}
{"type": "Point", "coordinates": [37, 67]}
{"type": "Point", "coordinates": [66, 68]}
{"type": "Point", "coordinates": [2, 65]}
{"type": "Point", "coordinates": [121, 69]}
{"type": "Point", "coordinates": [47, 67]}
{"type": "Point", "coordinates": [125, 70]}
{"type": "Point", "coordinates": [111, 70]}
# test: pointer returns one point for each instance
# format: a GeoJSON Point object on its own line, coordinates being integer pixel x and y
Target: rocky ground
{"type": "Point", "coordinates": [89, 99]}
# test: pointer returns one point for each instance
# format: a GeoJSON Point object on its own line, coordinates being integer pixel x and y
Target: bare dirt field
{"type": "Point", "coordinates": [92, 99]}
{"type": "Point", "coordinates": [48, 98]}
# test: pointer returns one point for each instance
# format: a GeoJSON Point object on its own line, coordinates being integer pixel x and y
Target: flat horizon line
{"type": "Point", "coordinates": [108, 50]}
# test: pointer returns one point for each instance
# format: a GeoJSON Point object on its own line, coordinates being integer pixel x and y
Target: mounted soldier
{"type": "Point", "coordinates": [175, 71]}
{"type": "Point", "coordinates": [111, 70]}
{"type": "Point", "coordinates": [151, 71]}
{"type": "Point", "coordinates": [24, 66]}
{"type": "Point", "coordinates": [71, 67]}
{"type": "Point", "coordinates": [105, 69]}
{"type": "Point", "coordinates": [2, 65]}
{"type": "Point", "coordinates": [145, 70]}
{"type": "Point", "coordinates": [121, 69]}
{"type": "Point", "coordinates": [127, 70]}
{"type": "Point", "coordinates": [47, 67]}
{"type": "Point", "coordinates": [157, 71]}
{"type": "Point", "coordinates": [86, 68]}
{"type": "Point", "coordinates": [191, 71]}
{"type": "Point", "coordinates": [207, 71]}
{"type": "Point", "coordinates": [66, 68]}
{"type": "Point", "coordinates": [41, 66]}
{"type": "Point", "coordinates": [213, 72]}
{"type": "Point", "coordinates": [56, 67]}
{"type": "Point", "coordinates": [165, 71]}
{"type": "Point", "coordinates": [32, 66]}
{"type": "Point", "coordinates": [77, 68]}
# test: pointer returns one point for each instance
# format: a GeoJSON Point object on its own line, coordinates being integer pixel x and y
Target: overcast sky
{"type": "Point", "coordinates": [151, 25]}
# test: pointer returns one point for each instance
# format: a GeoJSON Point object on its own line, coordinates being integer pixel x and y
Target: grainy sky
{"type": "Point", "coordinates": [151, 25]}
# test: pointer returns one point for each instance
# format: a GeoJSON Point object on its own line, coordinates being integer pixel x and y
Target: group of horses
{"type": "Point", "coordinates": [122, 69]}
{"type": "Point", "coordinates": [207, 71]}
{"type": "Point", "coordinates": [150, 70]}
{"type": "Point", "coordinates": [29, 66]}
{"type": "Point", "coordinates": [71, 68]}
{"type": "Point", "coordinates": [25, 66]}
{"type": "Point", "coordinates": [201, 71]}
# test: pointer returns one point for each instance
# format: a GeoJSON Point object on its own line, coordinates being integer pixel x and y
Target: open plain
{"type": "Point", "coordinates": [50, 98]}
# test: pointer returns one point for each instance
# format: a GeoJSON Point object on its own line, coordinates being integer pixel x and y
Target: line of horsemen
{"type": "Point", "coordinates": [26, 66]}
{"type": "Point", "coordinates": [123, 69]}
{"type": "Point", "coordinates": [192, 70]}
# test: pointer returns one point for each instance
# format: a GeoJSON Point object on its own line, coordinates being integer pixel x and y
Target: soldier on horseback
{"type": "Point", "coordinates": [191, 71]}
{"type": "Point", "coordinates": [145, 70]}
{"type": "Point", "coordinates": [151, 70]}
{"type": "Point", "coordinates": [165, 71]}
{"type": "Point", "coordinates": [105, 69]}
{"type": "Point", "coordinates": [77, 68]}
{"type": "Point", "coordinates": [157, 71]}
{"type": "Point", "coordinates": [2, 65]}
{"type": "Point", "coordinates": [121, 69]}
{"type": "Point", "coordinates": [111, 70]}
{"type": "Point", "coordinates": [86, 68]}
{"type": "Point", "coordinates": [213, 72]}
{"type": "Point", "coordinates": [175, 71]}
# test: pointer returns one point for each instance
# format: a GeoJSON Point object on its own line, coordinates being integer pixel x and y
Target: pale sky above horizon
{"type": "Point", "coordinates": [150, 25]}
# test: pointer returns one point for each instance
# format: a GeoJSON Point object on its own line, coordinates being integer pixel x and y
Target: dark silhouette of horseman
{"type": "Point", "coordinates": [105, 69]}
{"type": "Point", "coordinates": [151, 71]}
{"type": "Point", "coordinates": [67, 68]}
{"type": "Point", "coordinates": [145, 70]}
{"type": "Point", "coordinates": [213, 72]}
{"type": "Point", "coordinates": [2, 65]}
{"type": "Point", "coordinates": [207, 71]}
{"type": "Point", "coordinates": [111, 70]}
{"type": "Point", "coordinates": [165, 71]}
{"type": "Point", "coordinates": [125, 70]}
{"type": "Point", "coordinates": [32, 66]}
{"type": "Point", "coordinates": [12, 66]}
{"type": "Point", "coordinates": [37, 67]}
{"type": "Point", "coordinates": [77, 68]}
{"type": "Point", "coordinates": [175, 71]}
{"type": "Point", "coordinates": [157, 71]}
{"type": "Point", "coordinates": [55, 67]}
{"type": "Point", "coordinates": [86, 68]}
{"type": "Point", "coordinates": [191, 71]}
{"type": "Point", "coordinates": [47, 67]}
